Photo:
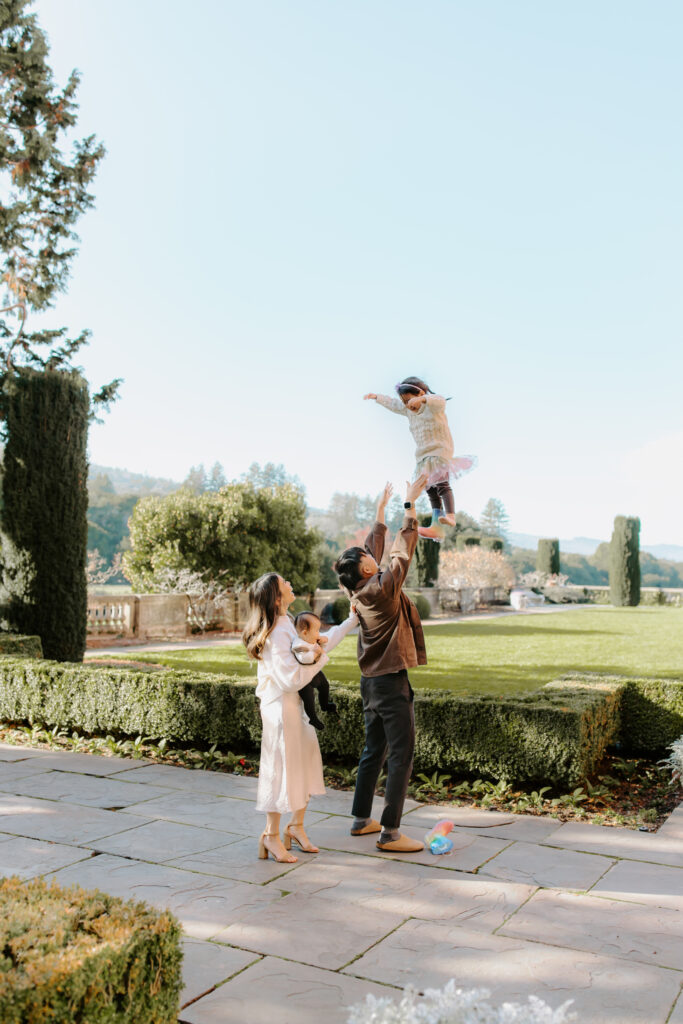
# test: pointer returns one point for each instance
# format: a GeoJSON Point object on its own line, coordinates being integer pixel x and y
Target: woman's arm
{"type": "Point", "coordinates": [284, 670]}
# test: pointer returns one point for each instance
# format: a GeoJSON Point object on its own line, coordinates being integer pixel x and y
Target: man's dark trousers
{"type": "Point", "coordinates": [389, 735]}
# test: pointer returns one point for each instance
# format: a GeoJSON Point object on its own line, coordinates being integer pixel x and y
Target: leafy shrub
{"type": "Point", "coordinates": [341, 606]}
{"type": "Point", "coordinates": [548, 735]}
{"type": "Point", "coordinates": [424, 609]}
{"type": "Point", "coordinates": [234, 535]}
{"type": "Point", "coordinates": [299, 605]}
{"type": "Point", "coordinates": [74, 955]}
{"type": "Point", "coordinates": [651, 710]}
{"type": "Point", "coordinates": [20, 646]}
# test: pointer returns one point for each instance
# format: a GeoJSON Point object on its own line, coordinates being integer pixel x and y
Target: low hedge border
{"type": "Point", "coordinates": [20, 646]}
{"type": "Point", "coordinates": [556, 735]}
{"type": "Point", "coordinates": [77, 955]}
{"type": "Point", "coordinates": [651, 710]}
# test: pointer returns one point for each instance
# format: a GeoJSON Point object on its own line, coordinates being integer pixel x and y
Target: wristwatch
{"type": "Point", "coordinates": [408, 504]}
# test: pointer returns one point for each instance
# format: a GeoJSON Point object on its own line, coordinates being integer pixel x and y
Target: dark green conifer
{"type": "Point", "coordinates": [427, 558]}
{"type": "Point", "coordinates": [548, 556]}
{"type": "Point", "coordinates": [624, 562]}
{"type": "Point", "coordinates": [43, 588]}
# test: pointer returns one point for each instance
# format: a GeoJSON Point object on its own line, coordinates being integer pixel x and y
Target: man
{"type": "Point", "coordinates": [390, 641]}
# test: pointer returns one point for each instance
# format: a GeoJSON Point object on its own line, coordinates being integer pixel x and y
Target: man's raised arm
{"type": "Point", "coordinates": [406, 540]}
{"type": "Point", "coordinates": [374, 542]}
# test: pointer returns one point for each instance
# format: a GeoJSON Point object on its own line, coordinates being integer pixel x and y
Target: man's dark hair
{"type": "Point", "coordinates": [347, 567]}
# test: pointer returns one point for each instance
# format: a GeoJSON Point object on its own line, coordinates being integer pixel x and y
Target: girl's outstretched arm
{"type": "Point", "coordinates": [392, 404]}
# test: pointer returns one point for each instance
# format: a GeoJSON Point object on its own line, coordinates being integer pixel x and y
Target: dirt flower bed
{"type": "Point", "coordinates": [634, 793]}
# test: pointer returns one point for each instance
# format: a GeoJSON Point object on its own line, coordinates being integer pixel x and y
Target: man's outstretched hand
{"type": "Point", "coordinates": [415, 489]}
{"type": "Point", "coordinates": [384, 501]}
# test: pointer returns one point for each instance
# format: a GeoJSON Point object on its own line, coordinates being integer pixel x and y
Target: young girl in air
{"type": "Point", "coordinates": [426, 414]}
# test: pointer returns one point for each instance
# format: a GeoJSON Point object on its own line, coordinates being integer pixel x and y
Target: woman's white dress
{"type": "Point", "coordinates": [291, 768]}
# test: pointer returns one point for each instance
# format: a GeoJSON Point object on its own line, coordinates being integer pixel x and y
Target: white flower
{"type": "Point", "coordinates": [452, 1005]}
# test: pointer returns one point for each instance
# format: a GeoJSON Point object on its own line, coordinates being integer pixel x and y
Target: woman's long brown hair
{"type": "Point", "coordinates": [264, 608]}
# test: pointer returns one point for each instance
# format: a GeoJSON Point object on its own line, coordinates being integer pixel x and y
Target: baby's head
{"type": "Point", "coordinates": [307, 625]}
{"type": "Point", "coordinates": [412, 387]}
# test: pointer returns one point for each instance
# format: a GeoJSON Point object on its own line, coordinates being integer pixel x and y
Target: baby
{"type": "Point", "coordinates": [307, 649]}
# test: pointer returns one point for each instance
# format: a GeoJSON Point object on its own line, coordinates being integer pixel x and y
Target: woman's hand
{"type": "Point", "coordinates": [369, 395]}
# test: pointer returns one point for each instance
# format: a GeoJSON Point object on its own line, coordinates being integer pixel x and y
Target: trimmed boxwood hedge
{"type": "Point", "coordinates": [549, 735]}
{"type": "Point", "coordinates": [76, 955]}
{"type": "Point", "coordinates": [20, 646]}
{"type": "Point", "coordinates": [651, 711]}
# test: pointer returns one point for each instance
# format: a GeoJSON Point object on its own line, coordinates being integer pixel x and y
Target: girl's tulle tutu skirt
{"type": "Point", "coordinates": [441, 470]}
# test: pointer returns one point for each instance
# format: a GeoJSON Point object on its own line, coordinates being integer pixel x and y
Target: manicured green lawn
{"type": "Point", "coordinates": [510, 654]}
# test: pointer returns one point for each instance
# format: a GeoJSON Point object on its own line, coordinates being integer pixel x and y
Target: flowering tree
{"type": "Point", "coordinates": [475, 567]}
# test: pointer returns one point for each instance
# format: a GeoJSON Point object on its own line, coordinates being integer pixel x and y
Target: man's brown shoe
{"type": "Point", "coordinates": [402, 845]}
{"type": "Point", "coordinates": [372, 826]}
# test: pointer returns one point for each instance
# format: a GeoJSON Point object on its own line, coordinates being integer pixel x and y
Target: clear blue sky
{"type": "Point", "coordinates": [305, 201]}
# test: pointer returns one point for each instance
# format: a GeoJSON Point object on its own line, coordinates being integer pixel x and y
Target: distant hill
{"type": "Point", "coordinates": [588, 546]}
{"type": "Point", "coordinates": [125, 482]}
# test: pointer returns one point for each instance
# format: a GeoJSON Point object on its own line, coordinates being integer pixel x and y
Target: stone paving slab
{"type": "Point", "coordinates": [605, 990]}
{"type": "Point", "coordinates": [635, 882]}
{"type": "Point", "coordinates": [649, 935]}
{"type": "Point", "coordinates": [194, 780]}
{"type": "Point", "coordinates": [58, 821]}
{"type": "Point", "coordinates": [204, 905]}
{"type": "Point", "coordinates": [29, 858]}
{"type": "Point", "coordinates": [339, 801]}
{"type": "Point", "coordinates": [10, 771]}
{"type": "Point", "coordinates": [318, 932]}
{"type": "Point", "coordinates": [239, 860]}
{"type": "Point", "coordinates": [162, 841]}
{"type": "Point", "coordinates": [88, 764]}
{"type": "Point", "coordinates": [207, 964]}
{"type": "Point", "coordinates": [469, 853]}
{"type": "Point", "coordinates": [85, 790]}
{"type": "Point", "coordinates": [618, 842]}
{"type": "Point", "coordinates": [677, 1015]}
{"type": "Point", "coordinates": [411, 890]}
{"type": "Point", "coordinates": [673, 826]}
{"type": "Point", "coordinates": [12, 752]}
{"type": "Point", "coordinates": [276, 991]}
{"type": "Point", "coordinates": [538, 865]}
{"type": "Point", "coordinates": [227, 814]}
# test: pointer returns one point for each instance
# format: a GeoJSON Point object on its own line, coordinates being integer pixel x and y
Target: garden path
{"type": "Point", "coordinates": [523, 905]}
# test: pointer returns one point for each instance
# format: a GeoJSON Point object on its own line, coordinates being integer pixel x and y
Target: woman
{"type": "Point", "coordinates": [291, 767]}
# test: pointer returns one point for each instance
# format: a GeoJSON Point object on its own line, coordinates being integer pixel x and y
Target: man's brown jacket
{"type": "Point", "coordinates": [390, 637]}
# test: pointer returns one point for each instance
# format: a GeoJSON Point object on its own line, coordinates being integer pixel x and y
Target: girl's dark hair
{"type": "Point", "coordinates": [347, 567]}
{"type": "Point", "coordinates": [413, 386]}
{"type": "Point", "coordinates": [264, 608]}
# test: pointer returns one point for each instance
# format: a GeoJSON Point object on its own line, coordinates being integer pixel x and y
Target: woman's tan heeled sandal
{"type": "Point", "coordinates": [304, 843]}
{"type": "Point", "coordinates": [264, 850]}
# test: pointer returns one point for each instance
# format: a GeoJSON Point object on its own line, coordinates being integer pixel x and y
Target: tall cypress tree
{"type": "Point", "coordinates": [45, 402]}
{"type": "Point", "coordinates": [427, 559]}
{"type": "Point", "coordinates": [624, 562]}
{"type": "Point", "coordinates": [43, 587]}
{"type": "Point", "coordinates": [548, 556]}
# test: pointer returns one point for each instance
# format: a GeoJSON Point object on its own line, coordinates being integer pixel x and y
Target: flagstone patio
{"type": "Point", "coordinates": [523, 905]}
